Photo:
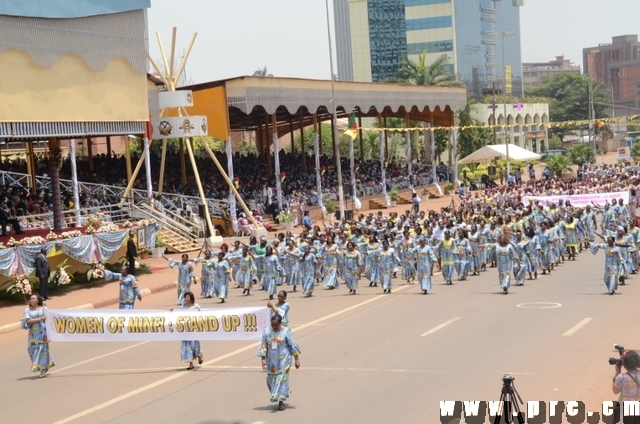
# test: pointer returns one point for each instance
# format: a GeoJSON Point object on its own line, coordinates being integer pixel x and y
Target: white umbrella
{"type": "Point", "coordinates": [489, 153]}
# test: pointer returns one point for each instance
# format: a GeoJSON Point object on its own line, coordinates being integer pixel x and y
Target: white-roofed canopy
{"type": "Point", "coordinates": [489, 153]}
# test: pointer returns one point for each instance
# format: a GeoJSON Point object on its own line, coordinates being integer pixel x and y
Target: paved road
{"type": "Point", "coordinates": [365, 358]}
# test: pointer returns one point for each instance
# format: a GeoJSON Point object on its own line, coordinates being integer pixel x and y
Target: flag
{"type": "Point", "coordinates": [236, 182]}
{"type": "Point", "coordinates": [323, 170]}
{"type": "Point", "coordinates": [357, 167]}
{"type": "Point", "coordinates": [282, 176]}
{"type": "Point", "coordinates": [352, 129]}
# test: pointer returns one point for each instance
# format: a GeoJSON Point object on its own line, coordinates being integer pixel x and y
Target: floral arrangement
{"type": "Point", "coordinates": [61, 277]}
{"type": "Point", "coordinates": [69, 234]}
{"type": "Point", "coordinates": [93, 222]}
{"type": "Point", "coordinates": [128, 224]}
{"type": "Point", "coordinates": [31, 241]}
{"type": "Point", "coordinates": [89, 230]}
{"type": "Point", "coordinates": [96, 272]}
{"type": "Point", "coordinates": [136, 264]}
{"type": "Point", "coordinates": [21, 286]}
{"type": "Point", "coordinates": [13, 243]}
{"type": "Point", "coordinates": [107, 228]}
{"type": "Point", "coordinates": [52, 236]}
{"type": "Point", "coordinates": [145, 222]}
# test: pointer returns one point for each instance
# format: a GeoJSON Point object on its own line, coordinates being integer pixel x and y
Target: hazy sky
{"type": "Point", "coordinates": [289, 37]}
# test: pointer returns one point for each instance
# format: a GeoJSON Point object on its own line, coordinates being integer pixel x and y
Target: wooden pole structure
{"type": "Point", "coordinates": [267, 143]}
{"type": "Point", "coordinates": [187, 141]}
{"type": "Point", "coordinates": [163, 159]}
{"type": "Point", "coordinates": [183, 165]}
{"type": "Point", "coordinates": [174, 37]}
{"type": "Point", "coordinates": [90, 152]}
{"type": "Point", "coordinates": [302, 147]}
{"type": "Point", "coordinates": [127, 153]}
{"type": "Point", "coordinates": [127, 190]}
{"type": "Point", "coordinates": [336, 156]}
{"type": "Point", "coordinates": [109, 147]}
{"type": "Point", "coordinates": [319, 134]}
{"type": "Point", "coordinates": [31, 169]}
{"type": "Point", "coordinates": [386, 137]}
{"type": "Point", "coordinates": [293, 145]}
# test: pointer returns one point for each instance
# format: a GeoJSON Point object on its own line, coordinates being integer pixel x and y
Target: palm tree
{"type": "Point", "coordinates": [558, 164]}
{"type": "Point", "coordinates": [419, 73]}
{"type": "Point", "coordinates": [262, 72]}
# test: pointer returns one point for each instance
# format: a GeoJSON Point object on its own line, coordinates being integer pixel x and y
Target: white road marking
{"type": "Point", "coordinates": [213, 361]}
{"type": "Point", "coordinates": [539, 305]}
{"type": "Point", "coordinates": [577, 327]}
{"type": "Point", "coordinates": [440, 327]}
{"type": "Point", "coordinates": [96, 358]}
{"type": "Point", "coordinates": [258, 422]}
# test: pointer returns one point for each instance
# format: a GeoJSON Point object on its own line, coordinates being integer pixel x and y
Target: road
{"type": "Point", "coordinates": [370, 358]}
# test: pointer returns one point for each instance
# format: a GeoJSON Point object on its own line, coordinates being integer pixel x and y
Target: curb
{"type": "Point", "coordinates": [8, 328]}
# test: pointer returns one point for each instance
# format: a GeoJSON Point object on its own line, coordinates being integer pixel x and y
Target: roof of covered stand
{"type": "Point", "coordinates": [488, 153]}
{"type": "Point", "coordinates": [250, 99]}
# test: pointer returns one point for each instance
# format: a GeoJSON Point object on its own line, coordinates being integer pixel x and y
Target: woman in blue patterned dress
{"type": "Point", "coordinates": [533, 249]}
{"type": "Point", "coordinates": [247, 272]}
{"type": "Point", "coordinates": [190, 349]}
{"type": "Point", "coordinates": [446, 259]}
{"type": "Point", "coordinates": [329, 253]}
{"type": "Point", "coordinates": [307, 270]}
{"type": "Point", "coordinates": [234, 256]}
{"type": "Point", "coordinates": [185, 275]}
{"type": "Point", "coordinates": [613, 262]}
{"type": "Point", "coordinates": [276, 351]}
{"type": "Point", "coordinates": [291, 264]}
{"type": "Point", "coordinates": [545, 240]}
{"type": "Point", "coordinates": [520, 270]}
{"type": "Point", "coordinates": [129, 290]}
{"type": "Point", "coordinates": [462, 255]}
{"type": "Point", "coordinates": [505, 258]}
{"type": "Point", "coordinates": [207, 280]}
{"type": "Point", "coordinates": [352, 267]}
{"type": "Point", "coordinates": [371, 262]}
{"type": "Point", "coordinates": [222, 272]}
{"type": "Point", "coordinates": [38, 344]}
{"type": "Point", "coordinates": [281, 307]}
{"type": "Point", "coordinates": [272, 272]}
{"type": "Point", "coordinates": [477, 250]}
{"type": "Point", "coordinates": [405, 253]}
{"type": "Point", "coordinates": [387, 260]}
{"type": "Point", "coordinates": [426, 259]}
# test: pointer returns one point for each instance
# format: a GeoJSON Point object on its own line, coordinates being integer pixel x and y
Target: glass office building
{"type": "Point", "coordinates": [372, 36]}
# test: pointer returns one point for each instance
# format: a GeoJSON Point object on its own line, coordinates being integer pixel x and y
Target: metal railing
{"type": "Point", "coordinates": [107, 214]}
{"type": "Point", "coordinates": [170, 220]}
{"type": "Point", "coordinates": [170, 201]}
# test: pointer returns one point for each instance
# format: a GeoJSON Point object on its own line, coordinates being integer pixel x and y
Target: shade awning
{"type": "Point", "coordinates": [490, 152]}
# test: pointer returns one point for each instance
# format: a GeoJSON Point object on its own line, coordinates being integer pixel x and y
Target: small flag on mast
{"type": "Point", "coordinates": [352, 129]}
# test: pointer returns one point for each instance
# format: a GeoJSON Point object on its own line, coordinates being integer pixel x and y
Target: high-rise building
{"type": "Point", "coordinates": [373, 35]}
{"type": "Point", "coordinates": [617, 66]}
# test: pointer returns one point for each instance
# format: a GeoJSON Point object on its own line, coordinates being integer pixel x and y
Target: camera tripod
{"type": "Point", "coordinates": [509, 404]}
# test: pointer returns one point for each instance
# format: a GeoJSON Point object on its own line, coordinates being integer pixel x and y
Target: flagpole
{"type": "Point", "coordinates": [336, 149]}
{"type": "Point", "coordinates": [353, 170]}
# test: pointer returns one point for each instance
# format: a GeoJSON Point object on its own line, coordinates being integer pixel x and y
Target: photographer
{"type": "Point", "coordinates": [627, 384]}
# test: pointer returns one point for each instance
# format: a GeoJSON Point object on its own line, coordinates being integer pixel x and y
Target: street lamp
{"type": "Point", "coordinates": [504, 99]}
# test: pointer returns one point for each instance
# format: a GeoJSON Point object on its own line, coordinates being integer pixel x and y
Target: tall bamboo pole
{"type": "Point", "coordinates": [187, 142]}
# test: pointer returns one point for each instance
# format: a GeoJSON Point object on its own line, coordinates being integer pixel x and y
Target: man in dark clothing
{"type": "Point", "coordinates": [132, 254]}
{"type": "Point", "coordinates": [42, 272]}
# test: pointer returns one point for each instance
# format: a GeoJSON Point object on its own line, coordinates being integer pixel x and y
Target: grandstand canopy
{"type": "Point", "coordinates": [248, 103]}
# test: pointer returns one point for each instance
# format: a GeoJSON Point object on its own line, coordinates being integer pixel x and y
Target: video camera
{"type": "Point", "coordinates": [622, 352]}
{"type": "Point", "coordinates": [507, 380]}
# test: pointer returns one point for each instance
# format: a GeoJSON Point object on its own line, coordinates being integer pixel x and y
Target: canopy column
{"type": "Point", "coordinates": [55, 162]}
{"type": "Point", "coordinates": [90, 152]}
{"type": "Point", "coordinates": [127, 155]}
{"type": "Point", "coordinates": [183, 165]}
{"type": "Point", "coordinates": [360, 135]}
{"type": "Point", "coordinates": [303, 154]}
{"type": "Point", "coordinates": [31, 164]}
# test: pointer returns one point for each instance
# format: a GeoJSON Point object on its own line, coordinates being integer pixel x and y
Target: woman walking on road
{"type": "Point", "coordinates": [307, 270]}
{"type": "Point", "coordinates": [505, 258]}
{"type": "Point", "coordinates": [278, 347]}
{"type": "Point", "coordinates": [190, 349]}
{"type": "Point", "coordinates": [38, 343]}
{"type": "Point", "coordinates": [247, 271]}
{"type": "Point", "coordinates": [613, 262]}
{"type": "Point", "coordinates": [281, 307]}
{"type": "Point", "coordinates": [352, 267]}
{"type": "Point", "coordinates": [186, 275]}
{"type": "Point", "coordinates": [426, 259]}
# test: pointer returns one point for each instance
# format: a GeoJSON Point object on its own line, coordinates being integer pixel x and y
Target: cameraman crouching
{"type": "Point", "coordinates": [627, 384]}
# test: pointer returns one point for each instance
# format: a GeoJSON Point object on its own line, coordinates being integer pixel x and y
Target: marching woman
{"type": "Point", "coordinates": [371, 263]}
{"type": "Point", "coordinates": [478, 256]}
{"type": "Point", "coordinates": [505, 258]}
{"type": "Point", "coordinates": [307, 271]}
{"type": "Point", "coordinates": [520, 270]}
{"type": "Point", "coordinates": [222, 272]}
{"type": "Point", "coordinates": [571, 236]}
{"type": "Point", "coordinates": [129, 290]}
{"type": "Point", "coordinates": [329, 253]}
{"type": "Point", "coordinates": [589, 224]}
{"type": "Point", "coordinates": [247, 271]}
{"type": "Point", "coordinates": [462, 255]}
{"type": "Point", "coordinates": [533, 250]}
{"type": "Point", "coordinates": [426, 259]}
{"type": "Point", "coordinates": [276, 351]}
{"type": "Point", "coordinates": [190, 349]}
{"type": "Point", "coordinates": [272, 272]}
{"type": "Point", "coordinates": [625, 247]}
{"type": "Point", "coordinates": [281, 307]}
{"type": "Point", "coordinates": [545, 239]}
{"type": "Point", "coordinates": [207, 277]}
{"type": "Point", "coordinates": [352, 267]}
{"type": "Point", "coordinates": [38, 343]}
{"type": "Point", "coordinates": [185, 275]}
{"type": "Point", "coordinates": [446, 258]}
{"type": "Point", "coordinates": [405, 253]}
{"type": "Point", "coordinates": [234, 256]}
{"type": "Point", "coordinates": [291, 264]}
{"type": "Point", "coordinates": [613, 262]}
{"type": "Point", "coordinates": [387, 260]}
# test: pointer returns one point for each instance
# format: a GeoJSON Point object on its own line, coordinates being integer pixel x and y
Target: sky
{"type": "Point", "coordinates": [289, 37]}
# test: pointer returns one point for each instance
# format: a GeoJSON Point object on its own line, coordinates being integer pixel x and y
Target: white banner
{"type": "Point", "coordinates": [579, 200]}
{"type": "Point", "coordinates": [121, 325]}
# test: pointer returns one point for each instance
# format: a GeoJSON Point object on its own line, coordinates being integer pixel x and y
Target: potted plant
{"type": "Point", "coordinates": [451, 188]}
{"type": "Point", "coordinates": [394, 196]}
{"type": "Point", "coordinates": [160, 246]}
{"type": "Point", "coordinates": [286, 218]}
{"type": "Point", "coordinates": [330, 207]}
{"type": "Point", "coordinates": [143, 252]}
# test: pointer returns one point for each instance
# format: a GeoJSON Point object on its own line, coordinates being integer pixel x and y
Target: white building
{"type": "Point", "coordinates": [526, 124]}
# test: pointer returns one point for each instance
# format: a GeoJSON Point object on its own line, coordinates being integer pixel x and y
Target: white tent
{"type": "Point", "coordinates": [489, 153]}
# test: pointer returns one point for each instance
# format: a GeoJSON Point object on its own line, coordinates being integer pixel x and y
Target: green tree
{"type": "Point", "coordinates": [570, 98]}
{"type": "Point", "coordinates": [581, 153]}
{"type": "Point", "coordinates": [262, 72]}
{"type": "Point", "coordinates": [173, 145]}
{"type": "Point", "coordinates": [419, 73]}
{"type": "Point", "coordinates": [635, 152]}
{"type": "Point", "coordinates": [555, 142]}
{"type": "Point", "coordinates": [558, 164]}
